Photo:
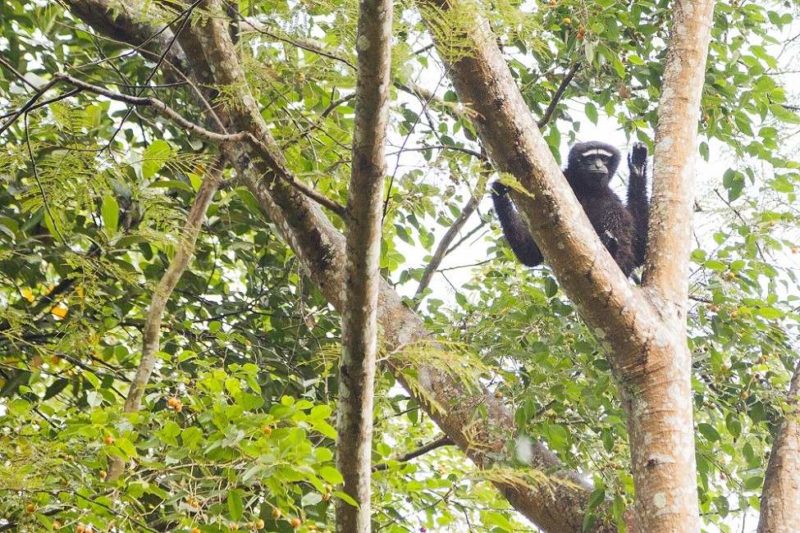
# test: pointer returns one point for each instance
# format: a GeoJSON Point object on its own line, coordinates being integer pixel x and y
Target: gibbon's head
{"type": "Point", "coordinates": [591, 165]}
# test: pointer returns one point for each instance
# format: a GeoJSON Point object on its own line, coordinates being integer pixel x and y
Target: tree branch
{"type": "Point", "coordinates": [444, 440]}
{"type": "Point", "coordinates": [158, 105]}
{"type": "Point", "coordinates": [548, 113]}
{"type": "Point", "coordinates": [444, 245]}
{"type": "Point", "coordinates": [173, 115]}
{"type": "Point", "coordinates": [151, 333]}
{"type": "Point", "coordinates": [669, 240]}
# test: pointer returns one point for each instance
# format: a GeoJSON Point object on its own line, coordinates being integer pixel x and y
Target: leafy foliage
{"type": "Point", "coordinates": [236, 426]}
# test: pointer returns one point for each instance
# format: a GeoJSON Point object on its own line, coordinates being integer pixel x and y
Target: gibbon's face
{"type": "Point", "coordinates": [592, 165]}
{"type": "Point", "coordinates": [596, 163]}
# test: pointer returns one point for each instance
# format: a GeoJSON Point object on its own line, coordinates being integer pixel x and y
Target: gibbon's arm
{"type": "Point", "coordinates": [514, 228]}
{"type": "Point", "coordinates": [638, 205]}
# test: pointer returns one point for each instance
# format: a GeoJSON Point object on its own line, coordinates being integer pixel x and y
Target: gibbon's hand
{"type": "Point", "coordinates": [637, 159]}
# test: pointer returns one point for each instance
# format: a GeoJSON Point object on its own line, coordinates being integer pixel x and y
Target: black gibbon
{"type": "Point", "coordinates": [622, 229]}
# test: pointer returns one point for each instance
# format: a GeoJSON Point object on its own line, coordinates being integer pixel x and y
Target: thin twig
{"type": "Point", "coordinates": [187, 15]}
{"type": "Point", "coordinates": [461, 149]}
{"type": "Point", "coordinates": [302, 44]}
{"type": "Point", "coordinates": [444, 440]}
{"type": "Point", "coordinates": [548, 114]}
{"type": "Point", "coordinates": [466, 237]}
{"type": "Point", "coordinates": [317, 123]}
{"type": "Point", "coordinates": [16, 73]}
{"type": "Point", "coordinates": [39, 181]}
{"type": "Point", "coordinates": [444, 244]}
{"type": "Point", "coordinates": [155, 103]}
{"type": "Point", "coordinates": [27, 105]}
{"type": "Point", "coordinates": [44, 103]}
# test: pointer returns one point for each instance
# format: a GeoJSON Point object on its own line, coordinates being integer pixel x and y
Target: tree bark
{"type": "Point", "coordinates": [362, 271]}
{"type": "Point", "coordinates": [780, 498]}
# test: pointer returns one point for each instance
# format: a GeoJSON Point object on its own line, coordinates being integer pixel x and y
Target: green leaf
{"type": "Point", "coordinates": [753, 483]}
{"type": "Point", "coordinates": [126, 446]}
{"type": "Point", "coordinates": [733, 425]}
{"type": "Point", "coordinates": [310, 498]}
{"type": "Point", "coordinates": [591, 112]}
{"type": "Point", "coordinates": [235, 504]}
{"type": "Point", "coordinates": [191, 437]}
{"type": "Point", "coordinates": [708, 432]}
{"type": "Point", "coordinates": [345, 498]}
{"type": "Point", "coordinates": [497, 519]}
{"type": "Point", "coordinates": [154, 157]}
{"type": "Point", "coordinates": [784, 115]}
{"type": "Point", "coordinates": [110, 213]}
{"type": "Point", "coordinates": [550, 287]}
{"type": "Point", "coordinates": [331, 475]}
{"type": "Point", "coordinates": [557, 435]}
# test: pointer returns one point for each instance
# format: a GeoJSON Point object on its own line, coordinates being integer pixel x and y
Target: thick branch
{"type": "Point", "coordinates": [780, 498]}
{"type": "Point", "coordinates": [667, 263]}
{"type": "Point", "coordinates": [362, 272]}
{"type": "Point", "coordinates": [609, 304]}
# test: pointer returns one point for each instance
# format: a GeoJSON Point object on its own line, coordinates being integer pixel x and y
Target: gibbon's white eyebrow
{"type": "Point", "coordinates": [597, 151]}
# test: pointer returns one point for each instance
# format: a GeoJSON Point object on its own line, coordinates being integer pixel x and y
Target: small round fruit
{"type": "Point", "coordinates": [175, 404]}
{"type": "Point", "coordinates": [267, 430]}
{"type": "Point", "coordinates": [295, 522]}
{"type": "Point", "coordinates": [196, 530]}
{"type": "Point", "coordinates": [30, 508]}
{"type": "Point", "coordinates": [276, 513]}
{"type": "Point", "coordinates": [259, 524]}
{"type": "Point", "coordinates": [108, 439]}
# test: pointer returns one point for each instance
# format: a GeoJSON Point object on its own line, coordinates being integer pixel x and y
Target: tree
{"type": "Point", "coordinates": [234, 426]}
{"type": "Point", "coordinates": [362, 277]}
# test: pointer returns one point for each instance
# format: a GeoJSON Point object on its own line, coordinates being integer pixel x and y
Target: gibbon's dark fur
{"type": "Point", "coordinates": [590, 167]}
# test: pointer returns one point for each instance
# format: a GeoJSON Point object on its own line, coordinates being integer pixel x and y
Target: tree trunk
{"type": "Point", "coordinates": [780, 499]}
{"type": "Point", "coordinates": [362, 275]}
